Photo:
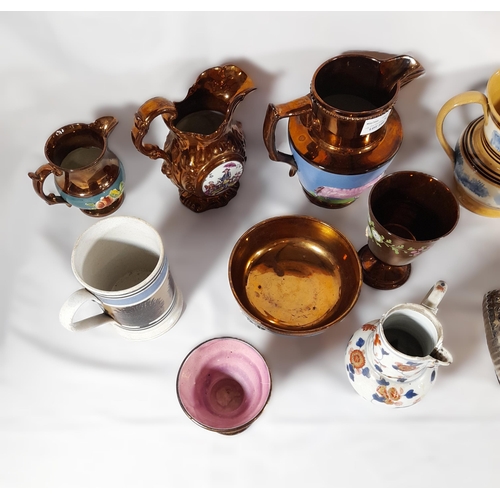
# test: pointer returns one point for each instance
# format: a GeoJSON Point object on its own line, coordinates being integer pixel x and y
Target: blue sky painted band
{"type": "Point", "coordinates": [312, 177]}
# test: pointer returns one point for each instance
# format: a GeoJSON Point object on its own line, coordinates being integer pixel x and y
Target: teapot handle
{"type": "Point", "coordinates": [38, 179]}
{"type": "Point", "coordinates": [275, 113]}
{"type": "Point", "coordinates": [470, 97]}
{"type": "Point", "coordinates": [143, 119]}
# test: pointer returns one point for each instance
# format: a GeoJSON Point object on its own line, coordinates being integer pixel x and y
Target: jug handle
{"type": "Point", "coordinates": [470, 97]}
{"type": "Point", "coordinates": [142, 121]}
{"type": "Point", "coordinates": [38, 179]}
{"type": "Point", "coordinates": [104, 125]}
{"type": "Point", "coordinates": [435, 295]}
{"type": "Point", "coordinates": [275, 113]}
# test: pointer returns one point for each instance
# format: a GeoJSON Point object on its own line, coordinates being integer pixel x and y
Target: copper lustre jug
{"type": "Point", "coordinates": [345, 132]}
{"type": "Point", "coordinates": [204, 152]}
{"type": "Point", "coordinates": [87, 174]}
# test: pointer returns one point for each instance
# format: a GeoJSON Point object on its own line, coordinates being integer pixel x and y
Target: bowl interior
{"type": "Point", "coordinates": [223, 384]}
{"type": "Point", "coordinates": [295, 275]}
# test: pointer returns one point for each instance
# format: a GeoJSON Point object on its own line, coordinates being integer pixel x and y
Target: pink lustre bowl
{"type": "Point", "coordinates": [223, 385]}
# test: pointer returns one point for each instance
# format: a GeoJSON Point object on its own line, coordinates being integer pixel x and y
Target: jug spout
{"type": "Point", "coordinates": [223, 86]}
{"type": "Point", "coordinates": [441, 356]}
{"type": "Point", "coordinates": [236, 84]}
{"type": "Point", "coordinates": [400, 69]}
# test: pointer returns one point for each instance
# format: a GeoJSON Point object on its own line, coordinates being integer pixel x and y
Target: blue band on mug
{"type": "Point", "coordinates": [140, 295]}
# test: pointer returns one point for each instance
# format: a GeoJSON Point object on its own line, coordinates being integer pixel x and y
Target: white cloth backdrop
{"type": "Point", "coordinates": [93, 409]}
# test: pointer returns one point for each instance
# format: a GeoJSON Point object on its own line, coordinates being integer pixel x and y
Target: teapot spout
{"type": "Point", "coordinates": [402, 69]}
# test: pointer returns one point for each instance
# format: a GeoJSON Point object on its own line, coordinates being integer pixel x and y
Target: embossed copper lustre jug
{"type": "Point", "coordinates": [87, 174]}
{"type": "Point", "coordinates": [345, 132]}
{"type": "Point", "coordinates": [204, 152]}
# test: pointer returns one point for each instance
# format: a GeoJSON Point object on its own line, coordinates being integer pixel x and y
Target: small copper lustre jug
{"type": "Point", "coordinates": [87, 174]}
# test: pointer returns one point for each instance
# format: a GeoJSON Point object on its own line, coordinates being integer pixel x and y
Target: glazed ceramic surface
{"type": "Point", "coordinates": [223, 385]}
{"type": "Point", "coordinates": [87, 174]}
{"type": "Point", "coordinates": [294, 275]}
{"type": "Point", "coordinates": [121, 264]}
{"type": "Point", "coordinates": [344, 134]}
{"type": "Point", "coordinates": [393, 361]}
{"type": "Point", "coordinates": [408, 212]}
{"type": "Point", "coordinates": [476, 156]}
{"type": "Point", "coordinates": [204, 152]}
{"type": "Point", "coordinates": [491, 317]}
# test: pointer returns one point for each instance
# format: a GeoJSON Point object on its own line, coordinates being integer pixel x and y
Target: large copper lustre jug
{"type": "Point", "coordinates": [345, 132]}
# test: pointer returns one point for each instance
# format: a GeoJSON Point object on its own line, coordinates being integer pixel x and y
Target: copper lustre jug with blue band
{"type": "Point", "coordinates": [87, 174]}
{"type": "Point", "coordinates": [343, 134]}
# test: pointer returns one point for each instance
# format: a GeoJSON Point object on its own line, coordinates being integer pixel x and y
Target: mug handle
{"type": "Point", "coordinates": [142, 121]}
{"type": "Point", "coordinates": [275, 113]}
{"type": "Point", "coordinates": [71, 306]}
{"type": "Point", "coordinates": [470, 97]}
{"type": "Point", "coordinates": [38, 179]}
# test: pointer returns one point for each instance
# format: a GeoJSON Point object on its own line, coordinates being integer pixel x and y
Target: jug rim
{"type": "Point", "coordinates": [418, 308]}
{"type": "Point", "coordinates": [494, 108]}
{"type": "Point", "coordinates": [376, 110]}
{"type": "Point", "coordinates": [67, 130]}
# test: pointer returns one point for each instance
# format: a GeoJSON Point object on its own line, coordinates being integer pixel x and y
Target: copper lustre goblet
{"type": "Point", "coordinates": [408, 212]}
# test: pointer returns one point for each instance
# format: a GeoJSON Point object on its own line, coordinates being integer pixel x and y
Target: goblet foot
{"type": "Point", "coordinates": [379, 275]}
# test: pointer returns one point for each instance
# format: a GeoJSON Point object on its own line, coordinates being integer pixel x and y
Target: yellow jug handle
{"type": "Point", "coordinates": [470, 97]}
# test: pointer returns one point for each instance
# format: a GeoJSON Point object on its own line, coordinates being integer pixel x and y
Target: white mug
{"type": "Point", "coordinates": [121, 264]}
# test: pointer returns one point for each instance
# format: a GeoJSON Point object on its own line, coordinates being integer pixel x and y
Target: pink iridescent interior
{"type": "Point", "coordinates": [224, 383]}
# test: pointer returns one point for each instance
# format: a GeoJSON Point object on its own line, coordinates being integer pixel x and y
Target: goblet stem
{"type": "Point", "coordinates": [380, 275]}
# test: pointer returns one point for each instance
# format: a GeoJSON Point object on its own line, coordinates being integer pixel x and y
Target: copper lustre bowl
{"type": "Point", "coordinates": [294, 275]}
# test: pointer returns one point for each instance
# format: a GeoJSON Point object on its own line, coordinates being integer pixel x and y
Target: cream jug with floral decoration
{"type": "Point", "coordinates": [393, 361]}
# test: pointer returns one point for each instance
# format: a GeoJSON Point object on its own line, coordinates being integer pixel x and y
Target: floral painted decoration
{"type": "Point", "coordinates": [380, 239]}
{"type": "Point", "coordinates": [107, 200]}
{"type": "Point", "coordinates": [392, 395]}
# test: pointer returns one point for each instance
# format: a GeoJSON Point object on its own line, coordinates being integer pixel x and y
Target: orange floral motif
{"type": "Point", "coordinates": [376, 340]}
{"type": "Point", "coordinates": [368, 327]}
{"type": "Point", "coordinates": [357, 359]}
{"type": "Point", "coordinates": [405, 368]}
{"type": "Point", "coordinates": [390, 395]}
{"type": "Point", "coordinates": [104, 202]}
